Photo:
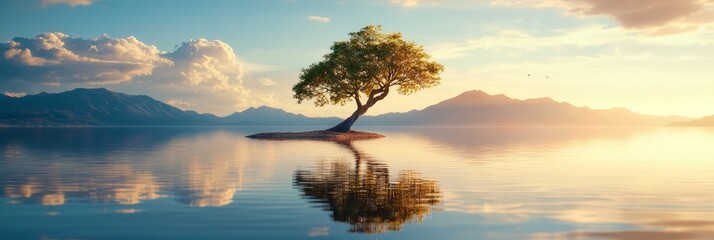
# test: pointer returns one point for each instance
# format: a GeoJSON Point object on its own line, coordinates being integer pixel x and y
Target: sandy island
{"type": "Point", "coordinates": [317, 135]}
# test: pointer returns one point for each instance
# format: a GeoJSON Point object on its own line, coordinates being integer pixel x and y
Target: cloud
{"type": "Point", "coordinates": [509, 41]}
{"type": "Point", "coordinates": [204, 75]}
{"type": "Point", "coordinates": [72, 3]}
{"type": "Point", "coordinates": [209, 65]}
{"type": "Point", "coordinates": [416, 3]}
{"type": "Point", "coordinates": [267, 82]}
{"type": "Point", "coordinates": [660, 17]}
{"type": "Point", "coordinates": [179, 103]}
{"type": "Point", "coordinates": [513, 42]}
{"type": "Point", "coordinates": [684, 15]}
{"type": "Point", "coordinates": [318, 19]}
{"type": "Point", "coordinates": [56, 58]}
{"type": "Point", "coordinates": [15, 94]}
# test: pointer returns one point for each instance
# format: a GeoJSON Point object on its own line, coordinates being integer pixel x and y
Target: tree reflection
{"type": "Point", "coordinates": [364, 197]}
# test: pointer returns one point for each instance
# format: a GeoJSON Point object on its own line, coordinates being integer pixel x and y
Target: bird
{"type": "Point", "coordinates": [529, 75]}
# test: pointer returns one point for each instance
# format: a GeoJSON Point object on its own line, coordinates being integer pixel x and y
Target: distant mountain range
{"type": "Point", "coordinates": [707, 121]}
{"type": "Point", "coordinates": [101, 107]}
{"type": "Point", "coordinates": [479, 108]}
{"type": "Point", "coordinates": [90, 107]}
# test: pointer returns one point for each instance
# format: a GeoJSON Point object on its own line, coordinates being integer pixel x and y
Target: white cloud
{"type": "Point", "coordinates": [72, 3]}
{"type": "Point", "coordinates": [318, 19]}
{"type": "Point", "coordinates": [15, 94]}
{"type": "Point", "coordinates": [57, 58]}
{"type": "Point", "coordinates": [200, 74]}
{"type": "Point", "coordinates": [210, 65]}
{"type": "Point", "coordinates": [206, 74]}
{"type": "Point", "coordinates": [267, 82]}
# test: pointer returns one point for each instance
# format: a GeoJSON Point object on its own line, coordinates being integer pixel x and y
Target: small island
{"type": "Point", "coordinates": [362, 69]}
{"type": "Point", "coordinates": [317, 135]}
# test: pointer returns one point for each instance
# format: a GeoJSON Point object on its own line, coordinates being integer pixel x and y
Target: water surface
{"type": "Point", "coordinates": [417, 183]}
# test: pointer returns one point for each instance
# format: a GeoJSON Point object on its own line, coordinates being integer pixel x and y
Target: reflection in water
{"type": "Point", "coordinates": [208, 185]}
{"type": "Point", "coordinates": [493, 183]}
{"type": "Point", "coordinates": [476, 142]}
{"type": "Point", "coordinates": [113, 183]}
{"type": "Point", "coordinates": [120, 165]}
{"type": "Point", "coordinates": [628, 184]}
{"type": "Point", "coordinates": [364, 197]}
{"type": "Point", "coordinates": [653, 224]}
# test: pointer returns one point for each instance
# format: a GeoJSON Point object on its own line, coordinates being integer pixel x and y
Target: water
{"type": "Point", "coordinates": [417, 183]}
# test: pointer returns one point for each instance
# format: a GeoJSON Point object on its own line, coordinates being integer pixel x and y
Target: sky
{"type": "Point", "coordinates": [652, 57]}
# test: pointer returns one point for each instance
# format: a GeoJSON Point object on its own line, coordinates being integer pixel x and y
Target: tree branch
{"type": "Point", "coordinates": [382, 95]}
{"type": "Point", "coordinates": [376, 91]}
{"type": "Point", "coordinates": [359, 103]}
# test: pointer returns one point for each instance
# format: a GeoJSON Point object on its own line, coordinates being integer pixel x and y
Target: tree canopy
{"type": "Point", "coordinates": [364, 69]}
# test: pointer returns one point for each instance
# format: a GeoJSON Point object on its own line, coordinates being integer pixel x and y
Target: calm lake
{"type": "Point", "coordinates": [416, 183]}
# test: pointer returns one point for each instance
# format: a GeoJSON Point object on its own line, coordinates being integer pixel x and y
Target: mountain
{"type": "Point", "coordinates": [476, 108]}
{"type": "Point", "coordinates": [101, 107]}
{"type": "Point", "coordinates": [707, 121]}
{"type": "Point", "coordinates": [268, 116]}
{"type": "Point", "coordinates": [90, 107]}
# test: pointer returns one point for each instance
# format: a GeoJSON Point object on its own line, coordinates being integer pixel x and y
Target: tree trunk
{"type": "Point", "coordinates": [346, 125]}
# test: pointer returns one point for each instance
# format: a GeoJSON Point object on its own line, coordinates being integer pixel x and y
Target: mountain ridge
{"type": "Point", "coordinates": [477, 108]}
{"type": "Point", "coordinates": [707, 121]}
{"type": "Point", "coordinates": [102, 107]}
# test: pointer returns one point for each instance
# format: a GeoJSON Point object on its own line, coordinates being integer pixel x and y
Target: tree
{"type": "Point", "coordinates": [364, 69]}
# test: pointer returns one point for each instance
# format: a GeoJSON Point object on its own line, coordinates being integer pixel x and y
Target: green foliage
{"type": "Point", "coordinates": [367, 65]}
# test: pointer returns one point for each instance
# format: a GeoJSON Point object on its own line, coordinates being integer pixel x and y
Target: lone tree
{"type": "Point", "coordinates": [367, 66]}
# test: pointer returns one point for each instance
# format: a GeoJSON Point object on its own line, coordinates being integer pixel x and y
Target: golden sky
{"type": "Point", "coordinates": [220, 57]}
